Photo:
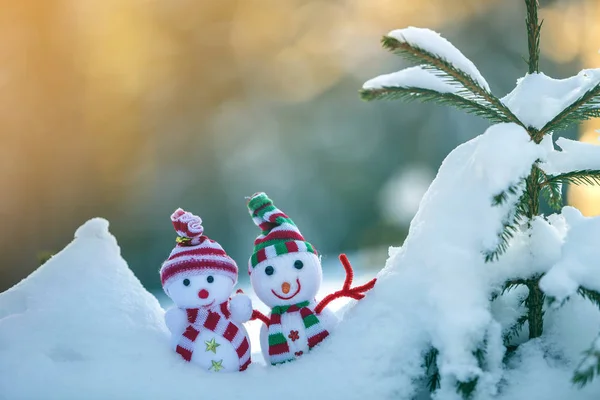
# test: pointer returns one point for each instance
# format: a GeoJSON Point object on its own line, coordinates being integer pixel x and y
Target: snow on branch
{"type": "Point", "coordinates": [578, 266]}
{"type": "Point", "coordinates": [444, 76]}
{"type": "Point", "coordinates": [425, 45]}
{"type": "Point", "coordinates": [419, 84]}
{"type": "Point", "coordinates": [575, 156]}
{"type": "Point", "coordinates": [549, 104]}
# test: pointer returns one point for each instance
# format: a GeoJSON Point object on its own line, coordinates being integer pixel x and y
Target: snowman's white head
{"type": "Point", "coordinates": [284, 268]}
{"type": "Point", "coordinates": [204, 290]}
{"type": "Point", "coordinates": [287, 279]}
{"type": "Point", "coordinates": [198, 272]}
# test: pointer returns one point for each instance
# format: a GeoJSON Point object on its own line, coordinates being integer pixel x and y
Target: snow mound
{"type": "Point", "coordinates": [433, 42]}
{"type": "Point", "coordinates": [537, 98]}
{"type": "Point", "coordinates": [438, 279]}
{"type": "Point", "coordinates": [82, 326]}
{"type": "Point", "coordinates": [411, 77]}
{"type": "Point", "coordinates": [578, 264]}
{"type": "Point", "coordinates": [95, 227]}
{"type": "Point", "coordinates": [65, 330]}
{"type": "Point", "coordinates": [575, 156]}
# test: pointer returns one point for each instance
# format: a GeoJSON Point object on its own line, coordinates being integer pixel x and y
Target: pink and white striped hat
{"type": "Point", "coordinates": [195, 253]}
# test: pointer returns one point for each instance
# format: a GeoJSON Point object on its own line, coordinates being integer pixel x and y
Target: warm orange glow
{"type": "Point", "coordinates": [561, 32]}
{"type": "Point", "coordinates": [587, 198]}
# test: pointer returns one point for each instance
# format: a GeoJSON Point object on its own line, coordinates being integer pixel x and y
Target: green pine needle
{"type": "Point", "coordinates": [428, 95]}
{"type": "Point", "coordinates": [503, 196]}
{"type": "Point", "coordinates": [467, 389]}
{"type": "Point", "coordinates": [533, 35]}
{"type": "Point", "coordinates": [590, 295]}
{"type": "Point", "coordinates": [510, 226]}
{"type": "Point", "coordinates": [433, 382]}
{"type": "Point", "coordinates": [581, 177]}
{"type": "Point", "coordinates": [453, 76]}
{"type": "Point", "coordinates": [511, 284]}
{"type": "Point", "coordinates": [514, 330]}
{"type": "Point", "coordinates": [584, 108]}
{"type": "Point", "coordinates": [552, 192]}
{"type": "Point", "coordinates": [589, 367]}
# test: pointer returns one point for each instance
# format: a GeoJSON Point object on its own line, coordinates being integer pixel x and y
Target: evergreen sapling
{"type": "Point", "coordinates": [445, 76]}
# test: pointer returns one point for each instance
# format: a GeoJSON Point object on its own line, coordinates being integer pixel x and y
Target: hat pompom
{"type": "Point", "coordinates": [188, 226]}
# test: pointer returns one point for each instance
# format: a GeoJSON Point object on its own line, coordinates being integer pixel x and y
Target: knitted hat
{"type": "Point", "coordinates": [279, 233]}
{"type": "Point", "coordinates": [195, 253]}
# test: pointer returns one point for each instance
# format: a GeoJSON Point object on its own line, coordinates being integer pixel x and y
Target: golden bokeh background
{"type": "Point", "coordinates": [99, 98]}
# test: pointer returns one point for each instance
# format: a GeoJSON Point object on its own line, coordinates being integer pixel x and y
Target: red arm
{"type": "Point", "coordinates": [258, 315]}
{"type": "Point", "coordinates": [356, 293]}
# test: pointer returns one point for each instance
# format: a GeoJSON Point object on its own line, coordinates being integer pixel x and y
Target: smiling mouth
{"type": "Point", "coordinates": [209, 305]}
{"type": "Point", "coordinates": [287, 298]}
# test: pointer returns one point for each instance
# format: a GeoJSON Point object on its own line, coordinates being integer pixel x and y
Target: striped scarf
{"type": "Point", "coordinates": [216, 321]}
{"type": "Point", "coordinates": [279, 349]}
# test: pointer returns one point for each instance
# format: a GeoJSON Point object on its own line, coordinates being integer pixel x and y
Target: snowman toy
{"type": "Point", "coordinates": [286, 274]}
{"type": "Point", "coordinates": [205, 323]}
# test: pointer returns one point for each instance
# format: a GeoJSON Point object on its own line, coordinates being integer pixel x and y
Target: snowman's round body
{"type": "Point", "coordinates": [288, 280]}
{"type": "Point", "coordinates": [292, 326]}
{"type": "Point", "coordinates": [202, 329]}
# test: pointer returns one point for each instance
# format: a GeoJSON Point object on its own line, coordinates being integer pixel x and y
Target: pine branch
{"type": "Point", "coordinates": [551, 190]}
{"type": "Point", "coordinates": [581, 177]}
{"type": "Point", "coordinates": [427, 96]}
{"type": "Point", "coordinates": [511, 284]}
{"type": "Point", "coordinates": [442, 68]}
{"type": "Point", "coordinates": [514, 330]}
{"type": "Point", "coordinates": [533, 35]}
{"type": "Point", "coordinates": [590, 295]}
{"type": "Point", "coordinates": [509, 227]}
{"type": "Point", "coordinates": [589, 366]}
{"type": "Point", "coordinates": [584, 108]}
{"type": "Point", "coordinates": [467, 388]}
{"type": "Point", "coordinates": [432, 370]}
{"type": "Point", "coordinates": [503, 196]}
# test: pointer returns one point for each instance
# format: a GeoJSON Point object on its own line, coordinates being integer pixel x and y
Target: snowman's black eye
{"type": "Point", "coordinates": [210, 279]}
{"type": "Point", "coordinates": [186, 282]}
{"type": "Point", "coordinates": [298, 264]}
{"type": "Point", "coordinates": [269, 270]}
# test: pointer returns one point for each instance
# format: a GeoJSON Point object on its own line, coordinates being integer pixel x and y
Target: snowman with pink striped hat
{"type": "Point", "coordinates": [286, 274]}
{"type": "Point", "coordinates": [205, 323]}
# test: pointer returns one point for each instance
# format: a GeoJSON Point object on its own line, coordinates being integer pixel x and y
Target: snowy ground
{"type": "Point", "coordinates": [82, 325]}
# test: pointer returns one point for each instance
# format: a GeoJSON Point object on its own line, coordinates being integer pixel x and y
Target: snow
{"type": "Point", "coordinates": [537, 98]}
{"type": "Point", "coordinates": [574, 156]}
{"type": "Point", "coordinates": [578, 264]}
{"type": "Point", "coordinates": [433, 42]}
{"type": "Point", "coordinates": [542, 368]}
{"type": "Point", "coordinates": [410, 77]}
{"type": "Point", "coordinates": [82, 325]}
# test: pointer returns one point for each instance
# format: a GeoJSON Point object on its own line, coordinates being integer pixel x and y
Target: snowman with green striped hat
{"type": "Point", "coordinates": [286, 274]}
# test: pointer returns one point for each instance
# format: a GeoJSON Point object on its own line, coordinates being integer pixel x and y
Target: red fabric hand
{"type": "Point", "coordinates": [356, 293]}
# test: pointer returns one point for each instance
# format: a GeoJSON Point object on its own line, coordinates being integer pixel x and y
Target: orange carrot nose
{"type": "Point", "coordinates": [285, 287]}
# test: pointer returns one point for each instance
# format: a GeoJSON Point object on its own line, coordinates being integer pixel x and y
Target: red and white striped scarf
{"type": "Point", "coordinates": [279, 349]}
{"type": "Point", "coordinates": [215, 320]}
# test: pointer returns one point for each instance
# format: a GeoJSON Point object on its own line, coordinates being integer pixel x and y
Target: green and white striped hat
{"type": "Point", "coordinates": [279, 233]}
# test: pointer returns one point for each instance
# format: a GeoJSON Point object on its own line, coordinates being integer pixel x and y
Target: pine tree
{"type": "Point", "coordinates": [470, 96]}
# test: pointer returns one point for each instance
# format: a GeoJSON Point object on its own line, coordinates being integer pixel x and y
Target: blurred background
{"type": "Point", "coordinates": [128, 109]}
